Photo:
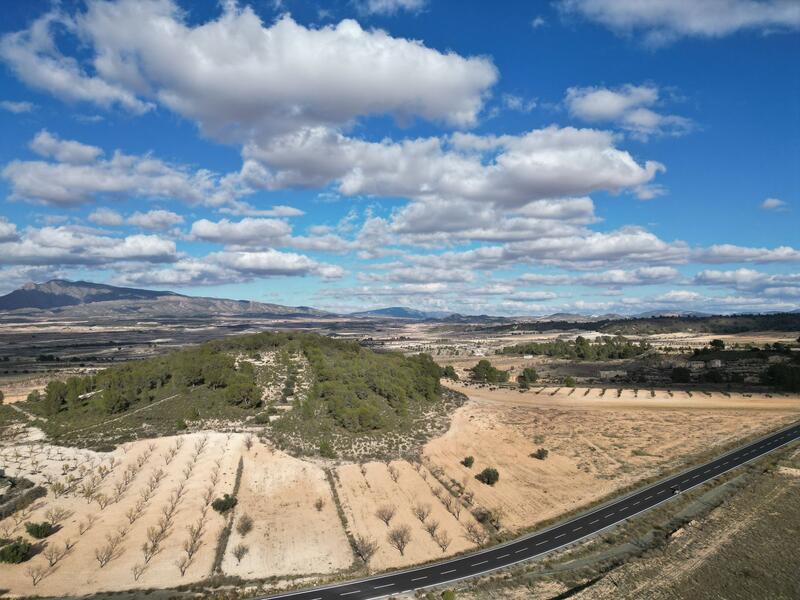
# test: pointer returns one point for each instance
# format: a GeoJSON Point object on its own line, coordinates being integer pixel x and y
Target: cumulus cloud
{"type": "Point", "coordinates": [629, 106]}
{"type": "Point", "coordinates": [247, 232]}
{"type": "Point", "coordinates": [746, 279]}
{"type": "Point", "coordinates": [106, 217]}
{"type": "Point", "coordinates": [507, 170]}
{"type": "Point", "coordinates": [56, 246]}
{"type": "Point", "coordinates": [155, 220]}
{"type": "Point", "coordinates": [663, 21]}
{"type": "Point", "coordinates": [774, 204]}
{"type": "Point", "coordinates": [17, 108]}
{"type": "Point", "coordinates": [236, 76]}
{"type": "Point", "coordinates": [731, 253]}
{"type": "Point", "coordinates": [79, 175]}
{"type": "Point", "coordinates": [228, 267]}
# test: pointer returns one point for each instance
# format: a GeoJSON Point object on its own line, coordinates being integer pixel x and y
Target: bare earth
{"type": "Point", "coordinates": [596, 445]}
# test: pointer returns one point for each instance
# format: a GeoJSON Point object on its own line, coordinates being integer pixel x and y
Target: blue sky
{"type": "Point", "coordinates": [587, 156]}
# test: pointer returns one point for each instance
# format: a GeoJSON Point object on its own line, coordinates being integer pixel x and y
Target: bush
{"type": "Point", "coordinates": [224, 504]}
{"type": "Point", "coordinates": [326, 449]}
{"type": "Point", "coordinates": [468, 461]}
{"type": "Point", "coordinates": [180, 425]}
{"type": "Point", "coordinates": [681, 375]}
{"type": "Point", "coordinates": [569, 381]}
{"type": "Point", "coordinates": [541, 453]}
{"type": "Point", "coordinates": [39, 530]}
{"type": "Point", "coordinates": [528, 376]}
{"type": "Point", "coordinates": [489, 476]}
{"type": "Point", "coordinates": [450, 373]}
{"type": "Point", "coordinates": [16, 552]}
{"type": "Point", "coordinates": [448, 595]}
{"type": "Point", "coordinates": [484, 371]}
{"type": "Point", "coordinates": [245, 525]}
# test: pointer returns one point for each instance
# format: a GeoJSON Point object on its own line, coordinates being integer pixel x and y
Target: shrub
{"type": "Point", "coordinates": [326, 449]}
{"type": "Point", "coordinates": [468, 461]}
{"type": "Point", "coordinates": [224, 504]}
{"type": "Point", "coordinates": [448, 595]}
{"type": "Point", "coordinates": [245, 525]}
{"type": "Point", "coordinates": [489, 476]}
{"type": "Point", "coordinates": [484, 371]}
{"type": "Point", "coordinates": [569, 381]}
{"type": "Point", "coordinates": [39, 530]}
{"type": "Point", "coordinates": [541, 453]}
{"type": "Point", "coordinates": [180, 425]}
{"type": "Point", "coordinates": [16, 552]}
{"type": "Point", "coordinates": [450, 373]}
{"type": "Point", "coordinates": [681, 375]}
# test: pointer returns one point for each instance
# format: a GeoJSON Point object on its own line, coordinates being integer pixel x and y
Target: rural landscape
{"type": "Point", "coordinates": [399, 299]}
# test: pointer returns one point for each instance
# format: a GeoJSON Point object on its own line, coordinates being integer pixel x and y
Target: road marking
{"type": "Point", "coordinates": [377, 587]}
{"type": "Point", "coordinates": [348, 593]}
{"type": "Point", "coordinates": [685, 480]}
{"type": "Point", "coordinates": [593, 522]}
{"type": "Point", "coordinates": [447, 572]}
{"type": "Point", "coordinates": [560, 535]}
{"type": "Point", "coordinates": [477, 564]}
{"type": "Point", "coordinates": [503, 556]}
{"type": "Point", "coordinates": [635, 503]}
{"type": "Point", "coordinates": [540, 543]}
{"type": "Point", "coordinates": [648, 498]}
{"type": "Point", "coordinates": [520, 550]}
{"type": "Point", "coordinates": [420, 578]}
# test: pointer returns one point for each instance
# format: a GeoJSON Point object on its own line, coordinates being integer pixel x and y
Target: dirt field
{"type": "Point", "coordinates": [596, 445]}
{"type": "Point", "coordinates": [290, 535]}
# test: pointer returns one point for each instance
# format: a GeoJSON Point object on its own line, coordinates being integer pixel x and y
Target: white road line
{"type": "Point", "coordinates": [420, 578]}
{"type": "Point", "coordinates": [521, 550]}
{"type": "Point", "coordinates": [578, 528]}
{"type": "Point", "coordinates": [540, 543]}
{"type": "Point", "coordinates": [648, 498]}
{"type": "Point", "coordinates": [593, 522]}
{"type": "Point", "coordinates": [560, 535]}
{"type": "Point", "coordinates": [477, 564]}
{"type": "Point", "coordinates": [348, 593]}
{"type": "Point", "coordinates": [635, 503]}
{"type": "Point", "coordinates": [503, 556]}
{"type": "Point", "coordinates": [446, 572]}
{"type": "Point", "coordinates": [377, 587]}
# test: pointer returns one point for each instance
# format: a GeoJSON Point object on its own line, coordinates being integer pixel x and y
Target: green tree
{"type": "Point", "coordinates": [717, 344]}
{"type": "Point", "coordinates": [450, 373]}
{"type": "Point", "coordinates": [489, 476]}
{"type": "Point", "coordinates": [55, 394]}
{"type": "Point", "coordinates": [484, 371]}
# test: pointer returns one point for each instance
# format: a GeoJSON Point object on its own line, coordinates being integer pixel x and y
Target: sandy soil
{"type": "Point", "coordinates": [362, 494]}
{"type": "Point", "coordinates": [596, 445]}
{"type": "Point", "coordinates": [290, 536]}
{"type": "Point", "coordinates": [78, 571]}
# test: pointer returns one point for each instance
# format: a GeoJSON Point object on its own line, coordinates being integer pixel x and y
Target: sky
{"type": "Point", "coordinates": [518, 158]}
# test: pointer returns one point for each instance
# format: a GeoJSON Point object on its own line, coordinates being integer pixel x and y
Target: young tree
{"type": "Point", "coordinates": [245, 525]}
{"type": "Point", "coordinates": [386, 513]}
{"type": "Point", "coordinates": [365, 548]}
{"type": "Point", "coordinates": [468, 461]}
{"type": "Point", "coordinates": [399, 538]}
{"type": "Point", "coordinates": [422, 511]}
{"type": "Point", "coordinates": [443, 540]}
{"type": "Point", "coordinates": [489, 476]}
{"type": "Point", "coordinates": [239, 552]}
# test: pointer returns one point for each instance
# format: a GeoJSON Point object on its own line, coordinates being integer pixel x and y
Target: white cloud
{"type": "Point", "coordinates": [731, 253]}
{"type": "Point", "coordinates": [17, 108]}
{"type": "Point", "coordinates": [227, 267]}
{"type": "Point", "coordinates": [628, 106]}
{"type": "Point", "coordinates": [65, 245]}
{"type": "Point", "coordinates": [746, 279]}
{"type": "Point", "coordinates": [537, 22]}
{"type": "Point", "coordinates": [84, 177]}
{"type": "Point", "coordinates": [389, 7]}
{"type": "Point", "coordinates": [247, 232]}
{"type": "Point", "coordinates": [107, 217]}
{"type": "Point", "coordinates": [505, 170]}
{"type": "Point", "coordinates": [663, 21]}
{"type": "Point", "coordinates": [8, 230]}
{"type": "Point", "coordinates": [518, 103]}
{"type": "Point", "coordinates": [155, 220]}
{"type": "Point", "coordinates": [238, 78]}
{"type": "Point", "coordinates": [774, 204]}
{"type": "Point", "coordinates": [65, 151]}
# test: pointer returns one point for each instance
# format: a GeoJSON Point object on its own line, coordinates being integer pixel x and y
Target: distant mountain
{"type": "Point", "coordinates": [394, 312]}
{"type": "Point", "coordinates": [86, 299]}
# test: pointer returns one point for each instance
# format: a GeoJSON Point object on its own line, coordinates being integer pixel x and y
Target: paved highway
{"type": "Point", "coordinates": [531, 546]}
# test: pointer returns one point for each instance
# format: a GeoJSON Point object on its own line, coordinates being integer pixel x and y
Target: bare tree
{"type": "Point", "coordinates": [319, 504]}
{"type": "Point", "coordinates": [386, 513]}
{"type": "Point", "coordinates": [248, 442]}
{"type": "Point", "coordinates": [86, 525]}
{"type": "Point", "coordinates": [58, 489]}
{"type": "Point", "coordinates": [422, 511]}
{"type": "Point", "coordinates": [475, 533]}
{"type": "Point", "coordinates": [399, 537]}
{"type": "Point", "coordinates": [56, 515]}
{"type": "Point", "coordinates": [365, 548]}
{"type": "Point", "coordinates": [36, 574]}
{"type": "Point", "coordinates": [52, 554]}
{"type": "Point", "coordinates": [394, 473]}
{"type": "Point", "coordinates": [239, 552]}
{"type": "Point", "coordinates": [137, 571]}
{"type": "Point", "coordinates": [443, 540]}
{"type": "Point", "coordinates": [102, 500]}
{"type": "Point", "coordinates": [431, 527]}
{"type": "Point", "coordinates": [183, 563]}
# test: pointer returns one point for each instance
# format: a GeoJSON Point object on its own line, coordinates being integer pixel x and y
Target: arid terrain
{"type": "Point", "coordinates": [598, 442]}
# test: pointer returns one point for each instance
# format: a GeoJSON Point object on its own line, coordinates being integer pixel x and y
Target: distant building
{"type": "Point", "coordinates": [528, 356]}
{"type": "Point", "coordinates": [697, 365]}
{"type": "Point", "coordinates": [714, 364]}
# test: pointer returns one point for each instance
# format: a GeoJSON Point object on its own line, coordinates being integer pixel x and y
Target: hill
{"type": "Point", "coordinates": [394, 312]}
{"type": "Point", "coordinates": [86, 300]}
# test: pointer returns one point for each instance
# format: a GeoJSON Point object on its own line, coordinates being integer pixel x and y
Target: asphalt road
{"type": "Point", "coordinates": [534, 545]}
